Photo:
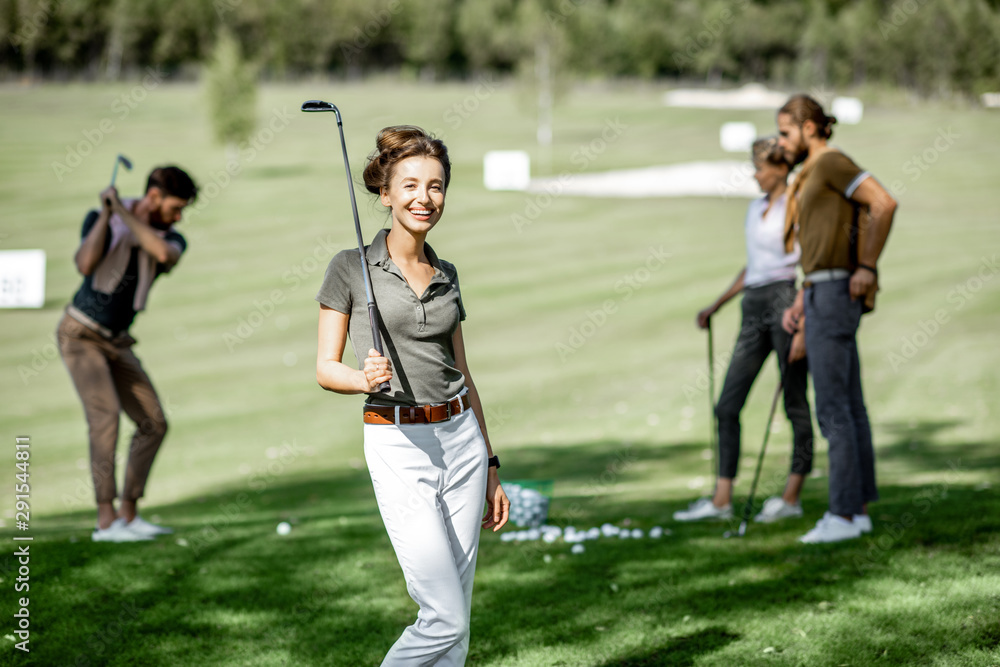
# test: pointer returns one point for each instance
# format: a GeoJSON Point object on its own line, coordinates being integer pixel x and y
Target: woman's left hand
{"type": "Point", "coordinates": [497, 504]}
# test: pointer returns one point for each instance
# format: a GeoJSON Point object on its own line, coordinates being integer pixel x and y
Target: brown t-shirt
{"type": "Point", "coordinates": [827, 215]}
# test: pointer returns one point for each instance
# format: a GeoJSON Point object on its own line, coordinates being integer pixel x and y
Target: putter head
{"type": "Point", "coordinates": [318, 105]}
{"type": "Point", "coordinates": [736, 533]}
{"type": "Point", "coordinates": [125, 162]}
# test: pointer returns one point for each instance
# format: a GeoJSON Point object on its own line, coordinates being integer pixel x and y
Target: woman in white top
{"type": "Point", "coordinates": [768, 285]}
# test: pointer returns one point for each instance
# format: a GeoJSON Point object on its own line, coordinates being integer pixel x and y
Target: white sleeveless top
{"type": "Point", "coordinates": [767, 261]}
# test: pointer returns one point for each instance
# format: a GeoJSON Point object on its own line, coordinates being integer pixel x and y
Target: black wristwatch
{"type": "Point", "coordinates": [493, 462]}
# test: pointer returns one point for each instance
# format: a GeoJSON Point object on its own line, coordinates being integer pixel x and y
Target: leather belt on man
{"type": "Point", "coordinates": [824, 275]}
{"type": "Point", "coordinates": [416, 414]}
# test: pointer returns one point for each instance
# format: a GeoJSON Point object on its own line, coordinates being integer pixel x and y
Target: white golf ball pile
{"type": "Point", "coordinates": [528, 507]}
{"type": "Point", "coordinates": [571, 535]}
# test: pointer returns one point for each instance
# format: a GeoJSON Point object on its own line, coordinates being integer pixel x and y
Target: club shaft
{"type": "Point", "coordinates": [713, 427]}
{"type": "Point", "coordinates": [748, 507]}
{"type": "Point", "coordinates": [763, 449]}
{"type": "Point", "coordinates": [114, 177]}
{"type": "Point", "coordinates": [369, 292]}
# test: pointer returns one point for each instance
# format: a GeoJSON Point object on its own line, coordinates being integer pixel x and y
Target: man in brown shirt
{"type": "Point", "coordinates": [842, 217]}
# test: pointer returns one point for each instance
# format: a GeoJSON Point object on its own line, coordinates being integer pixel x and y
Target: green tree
{"type": "Point", "coordinates": [427, 34]}
{"type": "Point", "coordinates": [488, 33]}
{"type": "Point", "coordinates": [231, 88]}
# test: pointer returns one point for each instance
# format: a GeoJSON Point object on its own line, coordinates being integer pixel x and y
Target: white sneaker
{"type": "Point", "coordinates": [118, 531]}
{"type": "Point", "coordinates": [143, 527]}
{"type": "Point", "coordinates": [704, 509]}
{"type": "Point", "coordinates": [831, 528]}
{"type": "Point", "coordinates": [776, 508]}
{"type": "Point", "coordinates": [864, 522]}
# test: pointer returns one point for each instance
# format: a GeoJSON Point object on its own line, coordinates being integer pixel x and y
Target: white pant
{"type": "Point", "coordinates": [430, 483]}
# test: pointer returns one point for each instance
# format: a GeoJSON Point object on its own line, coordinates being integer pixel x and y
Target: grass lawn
{"type": "Point", "coordinates": [581, 336]}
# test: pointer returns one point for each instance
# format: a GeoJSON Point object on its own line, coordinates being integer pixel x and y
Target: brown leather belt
{"type": "Point", "coordinates": [417, 414]}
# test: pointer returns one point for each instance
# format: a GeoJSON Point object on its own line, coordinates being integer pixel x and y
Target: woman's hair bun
{"type": "Point", "coordinates": [397, 143]}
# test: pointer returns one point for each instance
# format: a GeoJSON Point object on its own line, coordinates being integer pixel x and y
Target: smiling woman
{"type": "Point", "coordinates": [426, 445]}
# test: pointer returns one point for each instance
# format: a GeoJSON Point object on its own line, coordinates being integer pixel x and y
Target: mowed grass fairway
{"type": "Point", "coordinates": [582, 341]}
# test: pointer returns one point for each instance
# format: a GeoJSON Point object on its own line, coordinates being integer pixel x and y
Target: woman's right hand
{"type": "Point", "coordinates": [704, 316]}
{"type": "Point", "coordinates": [377, 370]}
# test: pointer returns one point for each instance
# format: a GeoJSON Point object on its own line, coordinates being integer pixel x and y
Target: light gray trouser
{"type": "Point", "coordinates": [430, 484]}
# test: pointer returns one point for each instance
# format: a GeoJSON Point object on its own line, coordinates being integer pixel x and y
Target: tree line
{"type": "Point", "coordinates": [934, 47]}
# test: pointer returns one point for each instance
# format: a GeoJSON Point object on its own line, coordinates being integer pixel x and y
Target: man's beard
{"type": "Point", "coordinates": [156, 221]}
{"type": "Point", "coordinates": [800, 156]}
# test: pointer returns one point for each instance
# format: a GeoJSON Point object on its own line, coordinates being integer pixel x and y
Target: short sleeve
{"type": "Point", "coordinates": [178, 241]}
{"type": "Point", "coordinates": [842, 174]}
{"type": "Point", "coordinates": [88, 223]}
{"type": "Point", "coordinates": [335, 292]}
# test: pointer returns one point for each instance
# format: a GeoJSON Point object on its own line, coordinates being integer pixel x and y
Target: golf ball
{"type": "Point", "coordinates": [284, 528]}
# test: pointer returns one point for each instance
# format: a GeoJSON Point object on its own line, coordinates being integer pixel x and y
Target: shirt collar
{"type": "Point", "coordinates": [378, 254]}
{"type": "Point", "coordinates": [762, 201]}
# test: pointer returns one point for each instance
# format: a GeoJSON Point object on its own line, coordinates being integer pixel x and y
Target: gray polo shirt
{"type": "Point", "coordinates": [416, 331]}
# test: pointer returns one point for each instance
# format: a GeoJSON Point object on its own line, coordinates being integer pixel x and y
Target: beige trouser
{"type": "Point", "coordinates": [109, 378]}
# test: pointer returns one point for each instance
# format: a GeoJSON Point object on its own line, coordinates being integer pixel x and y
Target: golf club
{"type": "Point", "coordinates": [313, 106]}
{"type": "Point", "coordinates": [121, 159]}
{"type": "Point", "coordinates": [748, 507]}
{"type": "Point", "coordinates": [712, 422]}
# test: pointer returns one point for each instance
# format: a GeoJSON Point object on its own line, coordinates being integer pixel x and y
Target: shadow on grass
{"type": "Point", "coordinates": [678, 652]}
{"type": "Point", "coordinates": [226, 590]}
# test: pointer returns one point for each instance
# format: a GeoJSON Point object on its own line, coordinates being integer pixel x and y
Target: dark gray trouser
{"type": "Point", "coordinates": [832, 320]}
{"type": "Point", "coordinates": [760, 333]}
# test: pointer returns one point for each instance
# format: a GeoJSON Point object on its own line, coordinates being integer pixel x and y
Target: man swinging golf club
{"type": "Point", "coordinates": [841, 217]}
{"type": "Point", "coordinates": [125, 246]}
